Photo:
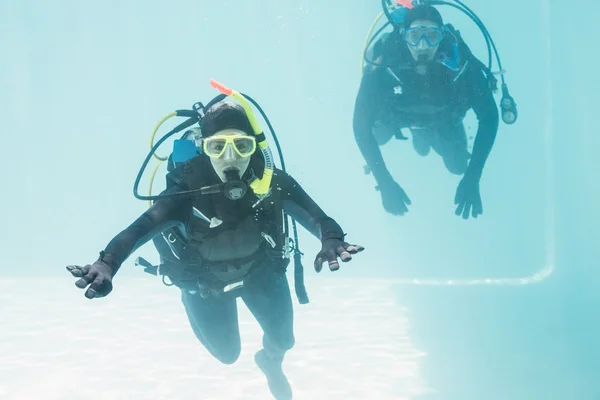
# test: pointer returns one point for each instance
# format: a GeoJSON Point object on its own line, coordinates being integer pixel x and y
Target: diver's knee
{"type": "Point", "coordinates": [227, 355]}
{"type": "Point", "coordinates": [226, 350]}
{"type": "Point", "coordinates": [228, 359]}
{"type": "Point", "coordinates": [456, 166]}
{"type": "Point", "coordinates": [280, 344]}
{"type": "Point", "coordinates": [382, 133]}
{"type": "Point", "coordinates": [288, 343]}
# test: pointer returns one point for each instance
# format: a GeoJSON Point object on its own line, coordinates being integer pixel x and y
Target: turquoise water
{"type": "Point", "coordinates": [503, 305]}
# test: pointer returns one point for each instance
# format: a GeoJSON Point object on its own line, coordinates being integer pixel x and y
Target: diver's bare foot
{"type": "Point", "coordinates": [278, 384]}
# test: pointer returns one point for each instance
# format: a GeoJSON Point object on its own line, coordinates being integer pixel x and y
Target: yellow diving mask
{"type": "Point", "coordinates": [216, 145]}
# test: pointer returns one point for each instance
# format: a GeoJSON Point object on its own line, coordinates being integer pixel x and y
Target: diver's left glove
{"type": "Point", "coordinates": [468, 197]}
{"type": "Point", "coordinates": [331, 249]}
{"type": "Point", "coordinates": [97, 275]}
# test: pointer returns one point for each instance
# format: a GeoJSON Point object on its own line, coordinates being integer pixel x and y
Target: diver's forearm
{"type": "Point", "coordinates": [301, 207]}
{"type": "Point", "coordinates": [320, 226]}
{"type": "Point", "coordinates": [127, 241]}
{"type": "Point", "coordinates": [482, 101]}
{"type": "Point", "coordinates": [484, 141]}
{"type": "Point", "coordinates": [330, 229]}
{"type": "Point", "coordinates": [372, 155]}
{"type": "Point", "coordinates": [163, 215]}
{"type": "Point", "coordinates": [301, 216]}
{"type": "Point", "coordinates": [366, 108]}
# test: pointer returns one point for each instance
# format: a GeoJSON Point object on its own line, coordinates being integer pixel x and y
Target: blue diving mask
{"type": "Point", "coordinates": [433, 36]}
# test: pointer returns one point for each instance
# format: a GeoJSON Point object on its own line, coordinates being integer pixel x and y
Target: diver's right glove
{"type": "Point", "coordinates": [98, 276]}
{"type": "Point", "coordinates": [394, 199]}
{"type": "Point", "coordinates": [331, 249]}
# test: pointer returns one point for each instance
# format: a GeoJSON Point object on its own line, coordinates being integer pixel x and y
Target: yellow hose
{"type": "Point", "coordinates": [152, 181]}
{"type": "Point", "coordinates": [362, 59]}
{"type": "Point", "coordinates": [159, 158]}
{"type": "Point", "coordinates": [162, 121]}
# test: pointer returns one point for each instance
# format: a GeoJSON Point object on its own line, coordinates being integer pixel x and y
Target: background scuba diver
{"type": "Point", "coordinates": [241, 240]}
{"type": "Point", "coordinates": [427, 81]}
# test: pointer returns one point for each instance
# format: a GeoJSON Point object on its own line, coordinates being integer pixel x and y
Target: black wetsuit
{"type": "Point", "coordinates": [431, 105]}
{"type": "Point", "coordinates": [240, 246]}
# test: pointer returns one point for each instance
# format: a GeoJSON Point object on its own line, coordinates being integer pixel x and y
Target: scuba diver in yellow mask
{"type": "Point", "coordinates": [423, 77]}
{"type": "Point", "coordinates": [220, 232]}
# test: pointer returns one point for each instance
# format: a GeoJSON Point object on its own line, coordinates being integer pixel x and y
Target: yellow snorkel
{"type": "Point", "coordinates": [260, 187]}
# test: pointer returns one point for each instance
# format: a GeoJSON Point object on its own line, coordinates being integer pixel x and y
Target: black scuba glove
{"type": "Point", "coordinates": [331, 249]}
{"type": "Point", "coordinates": [98, 276]}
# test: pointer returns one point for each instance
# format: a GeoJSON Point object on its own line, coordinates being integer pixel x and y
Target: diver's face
{"type": "Point", "coordinates": [230, 159]}
{"type": "Point", "coordinates": [423, 39]}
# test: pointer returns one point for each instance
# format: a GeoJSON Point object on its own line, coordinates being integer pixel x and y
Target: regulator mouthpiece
{"type": "Point", "coordinates": [234, 188]}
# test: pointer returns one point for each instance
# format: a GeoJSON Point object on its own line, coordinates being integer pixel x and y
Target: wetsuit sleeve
{"type": "Point", "coordinates": [482, 101]}
{"type": "Point", "coordinates": [366, 107]}
{"type": "Point", "coordinates": [300, 206]}
{"type": "Point", "coordinates": [164, 213]}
